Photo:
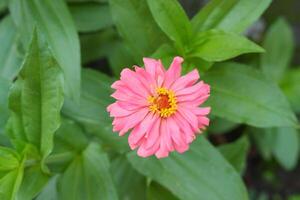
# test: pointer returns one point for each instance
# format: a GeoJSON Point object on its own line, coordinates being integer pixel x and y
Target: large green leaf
{"type": "Point", "coordinates": [10, 60]}
{"type": "Point", "coordinates": [50, 190]}
{"type": "Point", "coordinates": [236, 153]}
{"type": "Point", "coordinates": [136, 25]}
{"type": "Point", "coordinates": [91, 113]}
{"type": "Point", "coordinates": [291, 87]}
{"type": "Point", "coordinates": [87, 177]}
{"type": "Point", "coordinates": [13, 167]}
{"type": "Point", "coordinates": [229, 15]}
{"type": "Point", "coordinates": [33, 182]}
{"type": "Point", "coordinates": [201, 173]}
{"type": "Point", "coordinates": [157, 192]}
{"type": "Point", "coordinates": [36, 99]}
{"type": "Point", "coordinates": [171, 18]}
{"type": "Point", "coordinates": [4, 88]}
{"type": "Point", "coordinates": [53, 19]}
{"type": "Point", "coordinates": [279, 46]}
{"type": "Point", "coordinates": [91, 16]}
{"type": "Point", "coordinates": [216, 45]}
{"type": "Point", "coordinates": [242, 94]}
{"type": "Point", "coordinates": [129, 183]}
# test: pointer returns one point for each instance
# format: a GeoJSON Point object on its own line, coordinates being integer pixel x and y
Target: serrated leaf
{"type": "Point", "coordinates": [216, 45]}
{"type": "Point", "coordinates": [89, 175]}
{"type": "Point", "coordinates": [53, 19]}
{"type": "Point", "coordinates": [10, 58]}
{"type": "Point", "coordinates": [171, 18]}
{"type": "Point", "coordinates": [36, 99]}
{"type": "Point", "coordinates": [90, 17]}
{"type": "Point", "coordinates": [279, 46]}
{"type": "Point", "coordinates": [229, 15]}
{"type": "Point", "coordinates": [195, 174]}
{"type": "Point", "coordinates": [136, 25]}
{"type": "Point", "coordinates": [243, 95]}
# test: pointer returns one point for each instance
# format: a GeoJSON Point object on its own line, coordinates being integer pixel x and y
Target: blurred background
{"type": "Point", "coordinates": [266, 179]}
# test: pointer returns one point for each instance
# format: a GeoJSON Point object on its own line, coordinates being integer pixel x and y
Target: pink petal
{"type": "Point", "coordinates": [178, 137]}
{"type": "Point", "coordinates": [155, 69]}
{"type": "Point", "coordinates": [163, 148]}
{"type": "Point", "coordinates": [139, 132]}
{"type": "Point", "coordinates": [131, 120]}
{"type": "Point", "coordinates": [173, 72]}
{"type": "Point", "coordinates": [190, 117]}
{"type": "Point", "coordinates": [143, 151]}
{"type": "Point", "coordinates": [186, 80]}
{"type": "Point", "coordinates": [153, 135]}
{"type": "Point", "coordinates": [117, 111]}
{"type": "Point", "coordinates": [185, 128]}
{"type": "Point", "coordinates": [129, 78]}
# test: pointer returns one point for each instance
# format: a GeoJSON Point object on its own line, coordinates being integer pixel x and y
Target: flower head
{"type": "Point", "coordinates": [160, 107]}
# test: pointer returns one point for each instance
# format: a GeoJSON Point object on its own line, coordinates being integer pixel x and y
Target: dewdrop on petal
{"type": "Point", "coordinates": [159, 107]}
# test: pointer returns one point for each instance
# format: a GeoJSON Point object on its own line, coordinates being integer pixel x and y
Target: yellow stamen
{"type": "Point", "coordinates": [163, 103]}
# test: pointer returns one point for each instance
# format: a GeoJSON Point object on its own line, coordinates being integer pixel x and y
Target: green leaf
{"type": "Point", "coordinates": [119, 57]}
{"type": "Point", "coordinates": [236, 153]}
{"type": "Point", "coordinates": [195, 174]}
{"type": "Point", "coordinates": [53, 19]}
{"type": "Point", "coordinates": [157, 192]}
{"type": "Point", "coordinates": [264, 140]}
{"type": "Point", "coordinates": [50, 190]}
{"type": "Point", "coordinates": [33, 182]}
{"type": "Point", "coordinates": [4, 89]}
{"type": "Point", "coordinates": [230, 15]}
{"type": "Point", "coordinates": [9, 159]}
{"type": "Point", "coordinates": [90, 17]}
{"type": "Point", "coordinates": [243, 95]}
{"type": "Point", "coordinates": [87, 177]}
{"type": "Point", "coordinates": [282, 143]}
{"type": "Point", "coordinates": [11, 180]}
{"type": "Point", "coordinates": [10, 60]}
{"type": "Point", "coordinates": [216, 45]}
{"type": "Point", "coordinates": [3, 5]}
{"type": "Point", "coordinates": [286, 147]}
{"type": "Point", "coordinates": [291, 87]}
{"type": "Point", "coordinates": [97, 45]}
{"type": "Point", "coordinates": [220, 126]}
{"type": "Point", "coordinates": [91, 113]}
{"type": "Point", "coordinates": [84, 1]}
{"type": "Point", "coordinates": [279, 46]}
{"type": "Point", "coordinates": [36, 99]}
{"type": "Point", "coordinates": [136, 25]}
{"type": "Point", "coordinates": [129, 183]}
{"type": "Point", "coordinates": [172, 19]}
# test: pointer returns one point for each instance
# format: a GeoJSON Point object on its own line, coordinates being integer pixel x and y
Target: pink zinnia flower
{"type": "Point", "coordinates": [160, 107]}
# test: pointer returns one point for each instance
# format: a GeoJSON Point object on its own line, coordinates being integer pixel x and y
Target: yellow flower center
{"type": "Point", "coordinates": [163, 103]}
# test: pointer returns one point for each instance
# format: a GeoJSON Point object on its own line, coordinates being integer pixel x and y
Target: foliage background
{"type": "Point", "coordinates": [58, 59]}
